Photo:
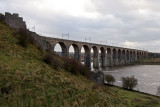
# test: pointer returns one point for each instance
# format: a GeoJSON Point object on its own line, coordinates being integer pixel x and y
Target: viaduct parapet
{"type": "Point", "coordinates": [103, 55]}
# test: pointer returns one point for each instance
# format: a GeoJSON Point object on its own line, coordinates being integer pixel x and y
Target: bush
{"type": "Point", "coordinates": [129, 82]}
{"type": "Point", "coordinates": [1, 17]}
{"type": "Point", "coordinates": [75, 67]}
{"type": "Point", "coordinates": [110, 79]}
{"type": "Point", "coordinates": [24, 38]}
{"type": "Point", "coordinates": [54, 60]}
{"type": "Point", "coordinates": [68, 64]}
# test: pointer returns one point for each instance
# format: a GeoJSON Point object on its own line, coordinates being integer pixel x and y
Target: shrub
{"type": "Point", "coordinates": [6, 89]}
{"type": "Point", "coordinates": [68, 64]}
{"type": "Point", "coordinates": [129, 82]}
{"type": "Point", "coordinates": [1, 17]}
{"type": "Point", "coordinates": [110, 79]}
{"type": "Point", "coordinates": [75, 67]}
{"type": "Point", "coordinates": [24, 38]}
{"type": "Point", "coordinates": [54, 60]}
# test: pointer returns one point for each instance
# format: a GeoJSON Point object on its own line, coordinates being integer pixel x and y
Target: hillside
{"type": "Point", "coordinates": [28, 81]}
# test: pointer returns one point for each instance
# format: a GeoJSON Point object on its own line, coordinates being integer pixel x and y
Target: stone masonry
{"type": "Point", "coordinates": [14, 21]}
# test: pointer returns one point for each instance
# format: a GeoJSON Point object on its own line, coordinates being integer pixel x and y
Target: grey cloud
{"type": "Point", "coordinates": [136, 21]}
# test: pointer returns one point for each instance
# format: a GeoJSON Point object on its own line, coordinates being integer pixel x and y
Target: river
{"type": "Point", "coordinates": [148, 76]}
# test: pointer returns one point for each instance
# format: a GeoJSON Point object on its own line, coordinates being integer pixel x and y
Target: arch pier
{"type": "Point", "coordinates": [102, 57]}
{"type": "Point", "coordinates": [95, 57]}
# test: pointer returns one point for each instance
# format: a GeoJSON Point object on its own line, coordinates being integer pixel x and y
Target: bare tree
{"type": "Point", "coordinates": [129, 82]}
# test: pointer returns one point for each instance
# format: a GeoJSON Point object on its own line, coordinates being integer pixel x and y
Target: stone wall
{"type": "Point", "coordinates": [41, 42]}
{"type": "Point", "coordinates": [14, 21]}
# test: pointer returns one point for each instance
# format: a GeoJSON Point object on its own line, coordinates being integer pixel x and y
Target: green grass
{"type": "Point", "coordinates": [151, 61]}
{"type": "Point", "coordinates": [35, 84]}
{"type": "Point", "coordinates": [137, 99]}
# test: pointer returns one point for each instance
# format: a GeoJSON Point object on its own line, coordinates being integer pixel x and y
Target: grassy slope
{"type": "Point", "coordinates": [34, 83]}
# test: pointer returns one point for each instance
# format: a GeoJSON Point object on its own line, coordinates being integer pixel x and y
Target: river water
{"type": "Point", "coordinates": [148, 76]}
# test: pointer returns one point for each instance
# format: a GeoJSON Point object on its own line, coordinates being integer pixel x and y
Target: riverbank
{"type": "Point", "coordinates": [134, 91]}
{"type": "Point", "coordinates": [139, 99]}
{"type": "Point", "coordinates": [147, 76]}
{"type": "Point", "coordinates": [148, 63]}
{"type": "Point", "coordinates": [152, 61]}
{"type": "Point", "coordinates": [99, 78]}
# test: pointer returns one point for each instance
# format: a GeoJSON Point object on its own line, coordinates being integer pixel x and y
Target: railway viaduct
{"type": "Point", "coordinates": [109, 55]}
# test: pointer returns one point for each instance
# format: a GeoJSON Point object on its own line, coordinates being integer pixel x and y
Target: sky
{"type": "Point", "coordinates": [126, 23]}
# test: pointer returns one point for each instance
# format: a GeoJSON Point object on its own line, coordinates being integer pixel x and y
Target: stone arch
{"type": "Point", "coordinates": [123, 56]}
{"type": "Point", "coordinates": [103, 57]}
{"type": "Point", "coordinates": [76, 51]}
{"type": "Point", "coordinates": [138, 56]}
{"type": "Point", "coordinates": [109, 57]}
{"type": "Point", "coordinates": [119, 56]}
{"type": "Point", "coordinates": [114, 56]}
{"type": "Point", "coordinates": [131, 56]}
{"type": "Point", "coordinates": [146, 55]}
{"type": "Point", "coordinates": [87, 59]}
{"type": "Point", "coordinates": [127, 56]}
{"type": "Point", "coordinates": [63, 48]}
{"type": "Point", "coordinates": [134, 56]}
{"type": "Point", "coordinates": [143, 55]}
{"type": "Point", "coordinates": [95, 57]}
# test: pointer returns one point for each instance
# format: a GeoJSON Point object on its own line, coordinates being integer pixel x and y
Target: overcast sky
{"type": "Point", "coordinates": [129, 23]}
